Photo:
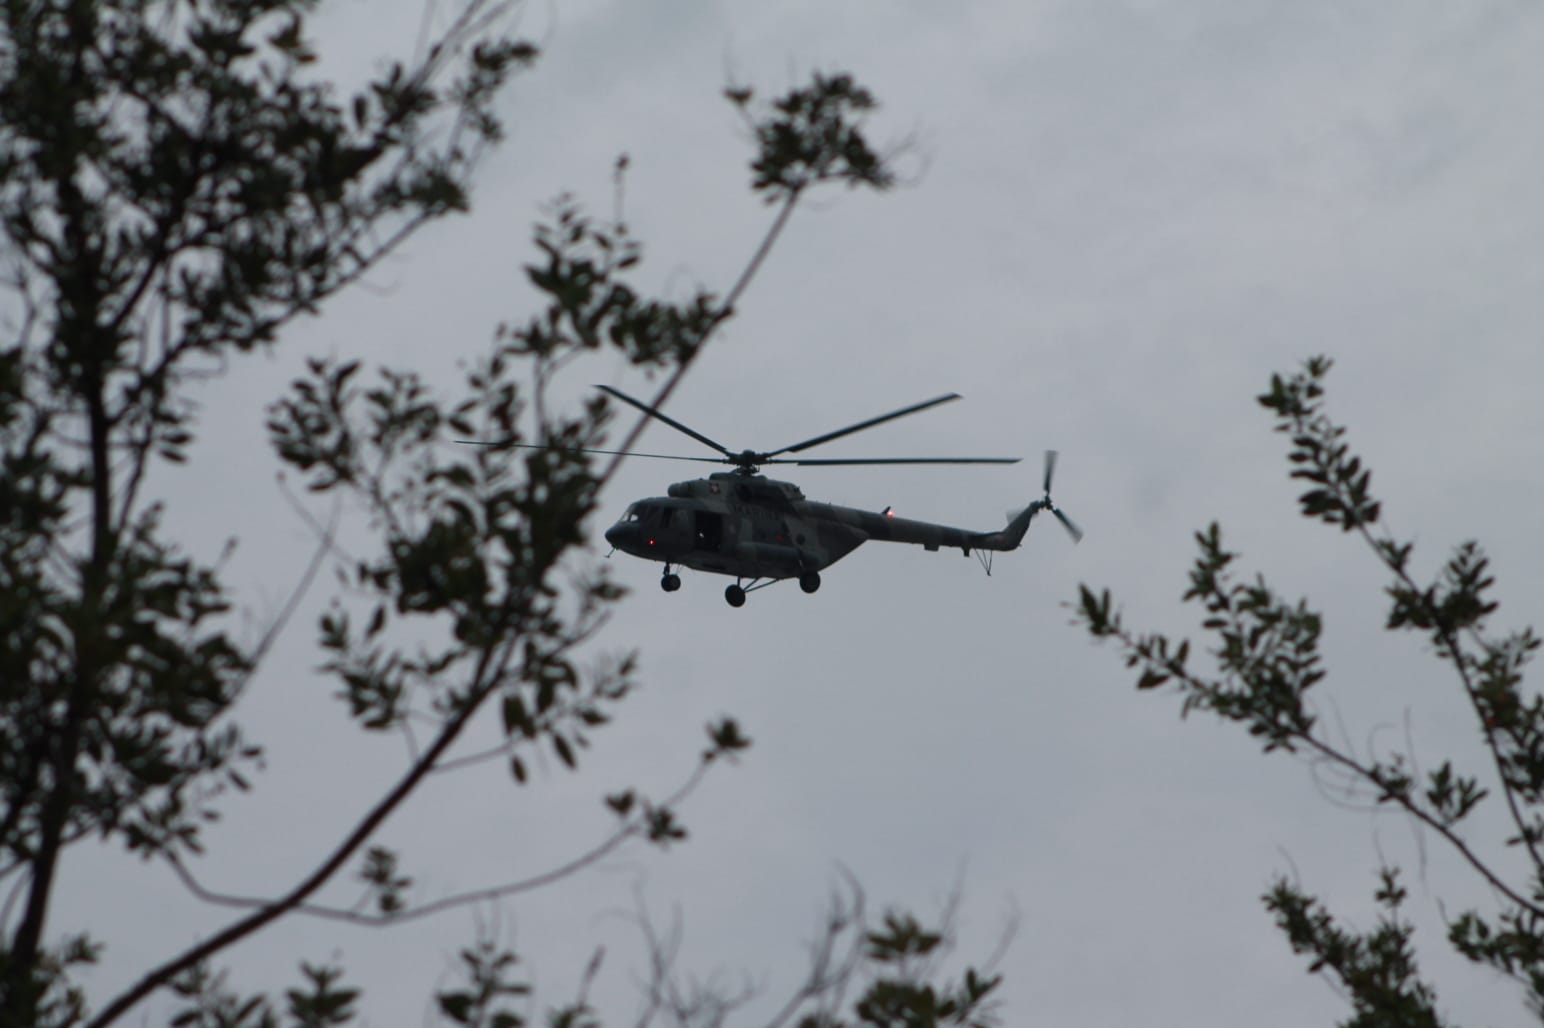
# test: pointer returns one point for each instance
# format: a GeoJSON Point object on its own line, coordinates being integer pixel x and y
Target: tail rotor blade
{"type": "Point", "coordinates": [1046, 504]}
{"type": "Point", "coordinates": [1072, 530]}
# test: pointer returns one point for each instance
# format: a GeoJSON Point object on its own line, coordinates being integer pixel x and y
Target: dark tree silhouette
{"type": "Point", "coordinates": [1267, 666]}
{"type": "Point", "coordinates": [177, 185]}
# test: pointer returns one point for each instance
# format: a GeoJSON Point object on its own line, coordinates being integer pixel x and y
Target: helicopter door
{"type": "Point", "coordinates": [709, 530]}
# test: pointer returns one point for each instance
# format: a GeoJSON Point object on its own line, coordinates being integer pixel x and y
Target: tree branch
{"type": "Point", "coordinates": [1455, 656]}
{"type": "Point", "coordinates": [1191, 683]}
{"type": "Point", "coordinates": [383, 809]}
{"type": "Point", "coordinates": [725, 312]}
{"type": "Point", "coordinates": [634, 826]}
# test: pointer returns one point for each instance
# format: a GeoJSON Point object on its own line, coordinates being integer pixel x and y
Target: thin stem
{"type": "Point", "coordinates": [1189, 682]}
{"type": "Point", "coordinates": [633, 827]}
{"type": "Point", "coordinates": [325, 545]}
{"type": "Point", "coordinates": [725, 312]}
{"type": "Point", "coordinates": [1455, 656]}
{"type": "Point", "coordinates": [487, 683]}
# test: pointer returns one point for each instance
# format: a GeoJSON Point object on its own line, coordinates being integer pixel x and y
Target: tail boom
{"type": "Point", "coordinates": [1009, 537]}
{"type": "Point", "coordinates": [885, 527]}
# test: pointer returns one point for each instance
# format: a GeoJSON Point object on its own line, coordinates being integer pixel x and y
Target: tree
{"type": "Point", "coordinates": [1267, 662]}
{"type": "Point", "coordinates": [175, 187]}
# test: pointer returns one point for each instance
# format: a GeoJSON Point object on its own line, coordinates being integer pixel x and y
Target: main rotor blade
{"type": "Point", "coordinates": [651, 412]}
{"type": "Point", "coordinates": [813, 462]}
{"type": "Point", "coordinates": [588, 449]}
{"type": "Point", "coordinates": [870, 423]}
{"type": "Point", "coordinates": [1050, 469]}
{"type": "Point", "coordinates": [1073, 530]}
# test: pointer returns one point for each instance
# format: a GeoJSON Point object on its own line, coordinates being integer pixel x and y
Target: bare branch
{"type": "Point", "coordinates": [725, 312]}
{"type": "Point", "coordinates": [632, 827]}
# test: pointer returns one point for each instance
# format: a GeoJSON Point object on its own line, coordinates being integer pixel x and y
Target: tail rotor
{"type": "Point", "coordinates": [1046, 504]}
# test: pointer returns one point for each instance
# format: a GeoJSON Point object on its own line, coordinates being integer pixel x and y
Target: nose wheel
{"type": "Point", "coordinates": [671, 582]}
{"type": "Point", "coordinates": [809, 581]}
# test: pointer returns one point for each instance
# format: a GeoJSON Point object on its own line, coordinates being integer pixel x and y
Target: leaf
{"type": "Point", "coordinates": [516, 719]}
{"type": "Point", "coordinates": [564, 751]}
{"type": "Point", "coordinates": [621, 802]}
{"type": "Point", "coordinates": [457, 1006]}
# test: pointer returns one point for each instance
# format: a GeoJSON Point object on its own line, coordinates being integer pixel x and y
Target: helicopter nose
{"type": "Point", "coordinates": [621, 534]}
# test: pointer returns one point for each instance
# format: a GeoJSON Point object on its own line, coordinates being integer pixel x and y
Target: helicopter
{"type": "Point", "coordinates": [761, 531]}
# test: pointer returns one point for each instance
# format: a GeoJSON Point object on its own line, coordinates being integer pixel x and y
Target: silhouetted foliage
{"type": "Point", "coordinates": [175, 187]}
{"type": "Point", "coordinates": [1266, 650]}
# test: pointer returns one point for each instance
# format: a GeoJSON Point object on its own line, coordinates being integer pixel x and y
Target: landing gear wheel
{"type": "Point", "coordinates": [670, 583]}
{"type": "Point", "coordinates": [735, 595]}
{"type": "Point", "coordinates": [809, 581]}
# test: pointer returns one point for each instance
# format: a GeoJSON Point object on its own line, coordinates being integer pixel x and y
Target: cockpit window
{"type": "Point", "coordinates": [643, 513]}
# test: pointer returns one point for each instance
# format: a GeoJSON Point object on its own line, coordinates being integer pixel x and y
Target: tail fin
{"type": "Point", "coordinates": [1018, 524]}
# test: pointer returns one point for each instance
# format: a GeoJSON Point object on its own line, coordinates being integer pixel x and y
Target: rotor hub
{"type": "Point", "coordinates": [747, 460]}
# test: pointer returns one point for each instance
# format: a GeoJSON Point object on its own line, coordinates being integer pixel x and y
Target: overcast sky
{"type": "Point", "coordinates": [1120, 219]}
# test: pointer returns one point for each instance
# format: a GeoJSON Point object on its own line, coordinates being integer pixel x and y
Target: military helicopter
{"type": "Point", "coordinates": [762, 531]}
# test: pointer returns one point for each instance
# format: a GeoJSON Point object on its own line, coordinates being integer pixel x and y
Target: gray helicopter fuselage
{"type": "Point", "coordinates": [752, 527]}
